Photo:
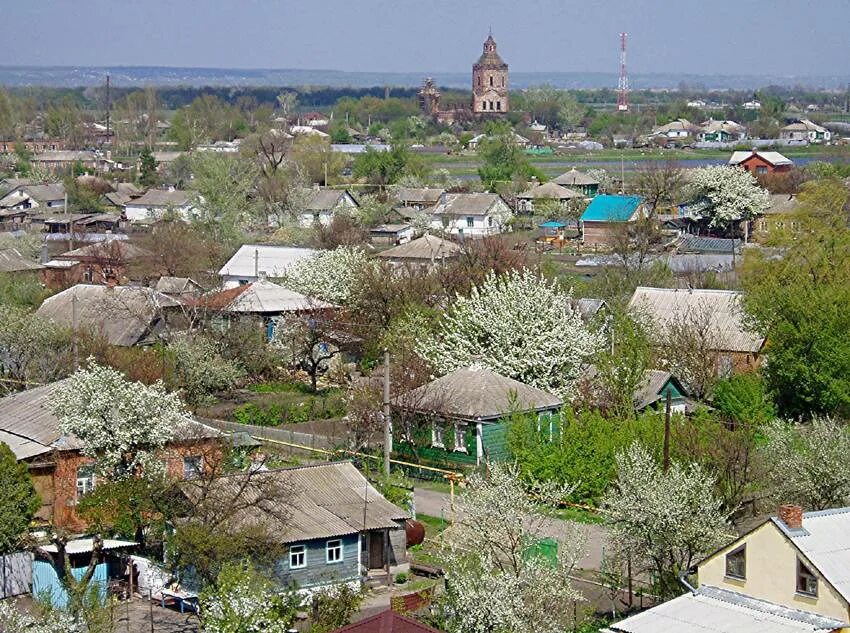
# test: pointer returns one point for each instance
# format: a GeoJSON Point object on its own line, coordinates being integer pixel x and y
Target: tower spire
{"type": "Point", "coordinates": [623, 83]}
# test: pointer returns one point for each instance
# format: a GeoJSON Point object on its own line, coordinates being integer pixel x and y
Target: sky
{"type": "Point", "coordinates": [729, 37]}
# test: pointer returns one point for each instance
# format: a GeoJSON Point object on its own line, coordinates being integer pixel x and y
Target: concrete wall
{"type": "Point", "coordinates": [771, 574]}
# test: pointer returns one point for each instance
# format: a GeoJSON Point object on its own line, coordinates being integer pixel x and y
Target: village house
{"type": "Point", "coordinates": [427, 252]}
{"type": "Point", "coordinates": [121, 315]}
{"type": "Point", "coordinates": [253, 262]}
{"type": "Point", "coordinates": [805, 131]}
{"type": "Point", "coordinates": [475, 141]}
{"type": "Point", "coordinates": [578, 181]}
{"type": "Point", "coordinates": [778, 219]}
{"type": "Point", "coordinates": [60, 160]}
{"type": "Point", "coordinates": [547, 193]}
{"type": "Point", "coordinates": [61, 474]}
{"type": "Point", "coordinates": [418, 198]}
{"type": "Point", "coordinates": [786, 574]}
{"type": "Point", "coordinates": [33, 145]}
{"type": "Point", "coordinates": [322, 204]}
{"type": "Point", "coordinates": [650, 393]}
{"type": "Point", "coordinates": [387, 621]}
{"type": "Point", "coordinates": [467, 409]}
{"type": "Point", "coordinates": [758, 163]}
{"type": "Point", "coordinates": [471, 214]}
{"type": "Point", "coordinates": [391, 234]}
{"type": "Point", "coordinates": [338, 529]}
{"type": "Point", "coordinates": [680, 128]}
{"type": "Point", "coordinates": [605, 217]}
{"type": "Point", "coordinates": [720, 311]}
{"type": "Point", "coordinates": [100, 263]}
{"type": "Point", "coordinates": [179, 288]}
{"type": "Point", "coordinates": [70, 225]}
{"type": "Point", "coordinates": [34, 196]}
{"type": "Point", "coordinates": [156, 204]}
{"type": "Point", "coordinates": [13, 265]}
{"type": "Point", "coordinates": [712, 131]}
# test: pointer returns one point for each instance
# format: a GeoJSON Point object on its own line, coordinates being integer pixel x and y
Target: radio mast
{"type": "Point", "coordinates": [623, 83]}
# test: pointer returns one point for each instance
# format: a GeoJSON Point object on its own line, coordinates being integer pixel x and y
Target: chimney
{"type": "Point", "coordinates": [791, 515]}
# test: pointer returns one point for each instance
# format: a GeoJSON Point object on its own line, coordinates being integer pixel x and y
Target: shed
{"type": "Point", "coordinates": [605, 214]}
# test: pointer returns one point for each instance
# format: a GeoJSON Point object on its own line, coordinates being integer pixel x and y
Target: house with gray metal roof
{"type": "Point", "coordinates": [471, 214]}
{"type": "Point", "coordinates": [322, 204]}
{"type": "Point", "coordinates": [426, 251]}
{"type": "Point", "coordinates": [335, 525]}
{"type": "Point", "coordinates": [34, 196]}
{"type": "Point", "coordinates": [467, 409]}
{"type": "Point", "coordinates": [258, 261]}
{"type": "Point", "coordinates": [578, 181]}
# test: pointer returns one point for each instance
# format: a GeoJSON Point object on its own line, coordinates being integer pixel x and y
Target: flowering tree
{"type": "Point", "coordinates": [724, 194]}
{"type": "Point", "coordinates": [13, 620]}
{"type": "Point", "coordinates": [495, 581]}
{"type": "Point", "coordinates": [518, 325]}
{"type": "Point", "coordinates": [244, 601]}
{"type": "Point", "coordinates": [120, 423]}
{"type": "Point", "coordinates": [201, 369]}
{"type": "Point", "coordinates": [667, 520]}
{"type": "Point", "coordinates": [801, 462]}
{"type": "Point", "coordinates": [329, 275]}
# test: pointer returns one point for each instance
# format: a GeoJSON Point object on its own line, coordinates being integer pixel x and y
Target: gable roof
{"type": "Point", "coordinates": [11, 261]}
{"type": "Point", "coordinates": [574, 177]}
{"type": "Point", "coordinates": [664, 306]}
{"type": "Point", "coordinates": [325, 199]}
{"type": "Point", "coordinates": [324, 501]}
{"type": "Point", "coordinates": [611, 208]}
{"type": "Point", "coordinates": [177, 285]}
{"type": "Point", "coordinates": [271, 260]}
{"type": "Point", "coordinates": [262, 297]}
{"type": "Point", "coordinates": [387, 622]}
{"type": "Point", "coordinates": [425, 248]}
{"type": "Point", "coordinates": [713, 610]}
{"type": "Point", "coordinates": [426, 195]}
{"type": "Point", "coordinates": [774, 158]}
{"type": "Point", "coordinates": [458, 204]}
{"type": "Point", "coordinates": [550, 190]}
{"type": "Point", "coordinates": [30, 428]}
{"type": "Point", "coordinates": [781, 203]}
{"type": "Point", "coordinates": [477, 393]}
{"type": "Point", "coordinates": [123, 315]}
{"type": "Point", "coordinates": [648, 391]}
{"type": "Point", "coordinates": [702, 244]}
{"type": "Point", "coordinates": [162, 198]}
{"type": "Point", "coordinates": [113, 250]}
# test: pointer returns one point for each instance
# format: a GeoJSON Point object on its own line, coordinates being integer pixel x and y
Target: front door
{"type": "Point", "coordinates": [376, 550]}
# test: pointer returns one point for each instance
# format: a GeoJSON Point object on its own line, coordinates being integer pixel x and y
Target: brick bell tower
{"type": "Point", "coordinates": [490, 82]}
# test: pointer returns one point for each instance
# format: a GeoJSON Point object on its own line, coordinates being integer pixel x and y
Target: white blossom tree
{"type": "Point", "coordinates": [120, 423]}
{"type": "Point", "coordinates": [801, 462]}
{"type": "Point", "coordinates": [15, 621]}
{"type": "Point", "coordinates": [328, 275]}
{"type": "Point", "coordinates": [518, 325]}
{"type": "Point", "coordinates": [724, 194]}
{"type": "Point", "coordinates": [667, 520]}
{"type": "Point", "coordinates": [201, 368]}
{"type": "Point", "coordinates": [495, 580]}
{"type": "Point", "coordinates": [244, 601]}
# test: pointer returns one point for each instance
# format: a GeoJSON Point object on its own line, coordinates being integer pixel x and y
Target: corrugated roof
{"type": "Point", "coordinates": [11, 261]}
{"type": "Point", "coordinates": [162, 198]}
{"type": "Point", "coordinates": [700, 244]}
{"type": "Point", "coordinates": [176, 285]}
{"type": "Point", "coordinates": [46, 193]}
{"type": "Point", "coordinates": [123, 315]}
{"type": "Point", "coordinates": [114, 250]}
{"type": "Point", "coordinates": [85, 545]}
{"type": "Point", "coordinates": [425, 248]}
{"type": "Point", "coordinates": [774, 158]}
{"type": "Point", "coordinates": [265, 297]}
{"type": "Point", "coordinates": [473, 393]}
{"type": "Point", "coordinates": [271, 260]}
{"type": "Point", "coordinates": [825, 541]}
{"type": "Point", "coordinates": [550, 190]}
{"type": "Point", "coordinates": [425, 195]}
{"type": "Point", "coordinates": [781, 203]}
{"type": "Point", "coordinates": [324, 199]}
{"type": "Point", "coordinates": [574, 177]}
{"type": "Point", "coordinates": [323, 501]}
{"type": "Point", "coordinates": [611, 208]}
{"type": "Point", "coordinates": [23, 447]}
{"type": "Point", "coordinates": [461, 204]}
{"type": "Point", "coordinates": [663, 306]}
{"type": "Point", "coordinates": [712, 610]}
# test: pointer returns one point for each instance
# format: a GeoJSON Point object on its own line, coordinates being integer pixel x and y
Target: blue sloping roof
{"type": "Point", "coordinates": [609, 208]}
{"type": "Point", "coordinates": [552, 224]}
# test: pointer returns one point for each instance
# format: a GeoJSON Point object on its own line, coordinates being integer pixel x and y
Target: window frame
{"type": "Point", "coordinates": [190, 460]}
{"type": "Point", "coordinates": [438, 436]}
{"type": "Point", "coordinates": [329, 547]}
{"type": "Point", "coordinates": [89, 482]}
{"type": "Point", "coordinates": [470, 222]}
{"type": "Point", "coordinates": [804, 574]}
{"type": "Point", "coordinates": [460, 438]}
{"type": "Point", "coordinates": [742, 551]}
{"type": "Point", "coordinates": [298, 550]}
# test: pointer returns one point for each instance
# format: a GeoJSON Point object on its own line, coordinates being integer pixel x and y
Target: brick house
{"type": "Point", "coordinates": [100, 263]}
{"type": "Point", "coordinates": [61, 474]}
{"type": "Point", "coordinates": [758, 163]}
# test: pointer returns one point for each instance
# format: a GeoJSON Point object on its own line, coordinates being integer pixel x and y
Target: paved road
{"type": "Point", "coordinates": [437, 504]}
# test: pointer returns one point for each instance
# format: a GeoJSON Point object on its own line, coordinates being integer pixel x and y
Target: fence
{"type": "Point", "coordinates": [326, 435]}
{"type": "Point", "coordinates": [15, 574]}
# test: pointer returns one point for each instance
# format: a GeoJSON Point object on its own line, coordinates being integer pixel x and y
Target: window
{"type": "Point", "coordinates": [503, 82]}
{"type": "Point", "coordinates": [85, 480]}
{"type": "Point", "coordinates": [88, 275]}
{"type": "Point", "coordinates": [460, 445]}
{"type": "Point", "coordinates": [333, 552]}
{"type": "Point", "coordinates": [437, 436]}
{"type": "Point", "coordinates": [736, 563]}
{"type": "Point", "coordinates": [297, 557]}
{"type": "Point", "coordinates": [807, 583]}
{"type": "Point", "coordinates": [192, 467]}
{"type": "Point", "coordinates": [489, 220]}
{"type": "Point", "coordinates": [761, 169]}
{"type": "Point", "coordinates": [479, 80]}
{"type": "Point", "coordinates": [498, 105]}
{"type": "Point", "coordinates": [470, 221]}
{"type": "Point", "coordinates": [491, 80]}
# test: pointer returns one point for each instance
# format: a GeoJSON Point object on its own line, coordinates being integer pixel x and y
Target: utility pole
{"type": "Point", "coordinates": [74, 360]}
{"type": "Point", "coordinates": [387, 433]}
{"type": "Point", "coordinates": [108, 110]}
{"type": "Point", "coordinates": [667, 413]}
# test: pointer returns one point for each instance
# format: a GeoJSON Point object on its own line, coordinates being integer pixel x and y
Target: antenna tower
{"type": "Point", "coordinates": [623, 83]}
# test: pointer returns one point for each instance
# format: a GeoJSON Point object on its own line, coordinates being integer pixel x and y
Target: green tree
{"type": "Point", "coordinates": [742, 399]}
{"type": "Point", "coordinates": [386, 168]}
{"type": "Point", "coordinates": [147, 168]}
{"type": "Point", "coordinates": [504, 161]}
{"type": "Point", "coordinates": [799, 301]}
{"type": "Point", "coordinates": [18, 500]}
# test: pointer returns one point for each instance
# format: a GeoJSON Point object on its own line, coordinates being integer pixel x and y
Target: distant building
{"type": "Point", "coordinates": [429, 98]}
{"type": "Point", "coordinates": [34, 196]}
{"type": "Point", "coordinates": [157, 203]}
{"type": "Point", "coordinates": [680, 128]}
{"type": "Point", "coordinates": [779, 217]}
{"type": "Point", "coordinates": [323, 203]}
{"type": "Point", "coordinates": [805, 131]}
{"type": "Point", "coordinates": [490, 82]}
{"type": "Point", "coordinates": [471, 214]}
{"type": "Point", "coordinates": [757, 162]}
{"type": "Point", "coordinates": [547, 192]}
{"type": "Point", "coordinates": [578, 181]}
{"type": "Point", "coordinates": [427, 252]}
{"type": "Point", "coordinates": [752, 105]}
{"type": "Point", "coordinates": [721, 132]}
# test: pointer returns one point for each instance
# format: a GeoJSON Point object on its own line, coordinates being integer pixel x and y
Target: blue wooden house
{"type": "Point", "coordinates": [337, 528]}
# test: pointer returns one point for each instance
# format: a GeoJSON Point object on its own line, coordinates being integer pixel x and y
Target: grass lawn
{"type": "Point", "coordinates": [579, 515]}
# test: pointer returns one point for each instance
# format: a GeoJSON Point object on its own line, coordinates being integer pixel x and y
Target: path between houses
{"type": "Point", "coordinates": [437, 504]}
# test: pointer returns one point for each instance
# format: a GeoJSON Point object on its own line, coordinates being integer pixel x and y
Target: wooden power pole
{"type": "Point", "coordinates": [667, 414]}
{"type": "Point", "coordinates": [387, 427]}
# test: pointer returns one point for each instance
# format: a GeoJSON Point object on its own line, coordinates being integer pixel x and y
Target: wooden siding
{"type": "Point", "coordinates": [318, 571]}
{"type": "Point", "coordinates": [494, 438]}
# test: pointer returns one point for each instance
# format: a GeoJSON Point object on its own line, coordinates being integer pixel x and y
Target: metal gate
{"type": "Point", "coordinates": [46, 586]}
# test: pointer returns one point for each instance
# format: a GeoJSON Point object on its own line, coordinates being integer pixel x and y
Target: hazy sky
{"type": "Point", "coordinates": [688, 36]}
